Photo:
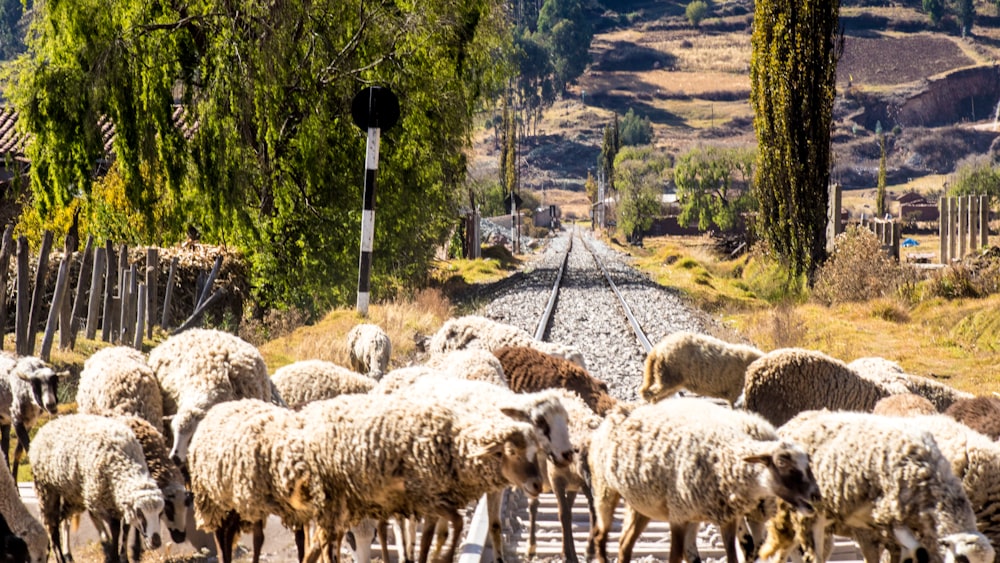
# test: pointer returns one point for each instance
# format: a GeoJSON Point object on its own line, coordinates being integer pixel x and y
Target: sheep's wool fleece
{"type": "Point", "coordinates": [18, 518]}
{"type": "Point", "coordinates": [660, 463]}
{"type": "Point", "coordinates": [312, 380]}
{"type": "Point", "coordinates": [472, 363]}
{"type": "Point", "coordinates": [788, 381]}
{"type": "Point", "coordinates": [699, 363]}
{"type": "Point", "coordinates": [93, 463]}
{"type": "Point", "coordinates": [862, 459]}
{"type": "Point", "coordinates": [248, 456]}
{"type": "Point", "coordinates": [369, 348]}
{"type": "Point", "coordinates": [529, 370]}
{"type": "Point", "coordinates": [118, 381]}
{"type": "Point", "coordinates": [213, 363]}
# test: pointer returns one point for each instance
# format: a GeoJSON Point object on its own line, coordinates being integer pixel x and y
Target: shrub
{"type": "Point", "coordinates": [696, 11]}
{"type": "Point", "coordinates": [635, 129]}
{"type": "Point", "coordinates": [768, 279]}
{"type": "Point", "coordinates": [858, 270]}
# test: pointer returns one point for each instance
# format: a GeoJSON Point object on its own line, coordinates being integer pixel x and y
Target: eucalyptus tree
{"type": "Point", "coordinates": [234, 117]}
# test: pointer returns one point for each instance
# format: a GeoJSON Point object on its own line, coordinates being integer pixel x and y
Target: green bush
{"type": "Point", "coordinates": [696, 11]}
{"type": "Point", "coordinates": [635, 129]}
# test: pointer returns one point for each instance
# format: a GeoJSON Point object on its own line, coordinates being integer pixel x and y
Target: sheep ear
{"type": "Point", "coordinates": [517, 413]}
{"type": "Point", "coordinates": [764, 459]}
{"type": "Point", "coordinates": [488, 451]}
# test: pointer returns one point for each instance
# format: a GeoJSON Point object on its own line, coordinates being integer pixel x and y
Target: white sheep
{"type": "Point", "coordinates": [470, 363]}
{"type": "Point", "coordinates": [91, 463]}
{"type": "Point", "coordinates": [566, 481]}
{"type": "Point", "coordinates": [904, 404]}
{"type": "Point", "coordinates": [312, 380]}
{"type": "Point", "coordinates": [118, 381]}
{"type": "Point", "coordinates": [700, 363]}
{"type": "Point", "coordinates": [473, 331]}
{"type": "Point", "coordinates": [247, 461]}
{"type": "Point", "coordinates": [27, 389]}
{"type": "Point", "coordinates": [896, 381]}
{"type": "Point", "coordinates": [787, 381]}
{"type": "Point", "coordinates": [878, 478]}
{"type": "Point", "coordinates": [379, 456]}
{"type": "Point", "coordinates": [20, 521]}
{"type": "Point", "coordinates": [199, 368]}
{"type": "Point", "coordinates": [369, 348]}
{"type": "Point", "coordinates": [686, 461]}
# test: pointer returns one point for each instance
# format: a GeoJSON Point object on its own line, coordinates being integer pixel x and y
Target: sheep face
{"type": "Point", "coordinates": [550, 420]}
{"type": "Point", "coordinates": [970, 547]}
{"type": "Point", "coordinates": [145, 518]}
{"type": "Point", "coordinates": [519, 461]}
{"type": "Point", "coordinates": [43, 381]}
{"type": "Point", "coordinates": [176, 507]}
{"type": "Point", "coordinates": [183, 426]}
{"type": "Point", "coordinates": [788, 475]}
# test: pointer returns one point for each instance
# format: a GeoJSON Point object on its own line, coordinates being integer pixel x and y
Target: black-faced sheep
{"type": "Point", "coordinates": [118, 381]}
{"type": "Point", "coordinates": [369, 349]}
{"type": "Point", "coordinates": [27, 389]}
{"type": "Point", "coordinates": [666, 467]}
{"type": "Point", "coordinates": [529, 370]}
{"type": "Point", "coordinates": [473, 331]}
{"type": "Point", "coordinates": [199, 368]}
{"type": "Point", "coordinates": [702, 364]}
{"type": "Point", "coordinates": [90, 463]}
{"type": "Point", "coordinates": [877, 476]}
{"type": "Point", "coordinates": [982, 414]}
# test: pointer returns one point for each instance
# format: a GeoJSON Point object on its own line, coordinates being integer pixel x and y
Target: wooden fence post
{"type": "Point", "coordinates": [140, 317]}
{"type": "Point", "coordinates": [165, 320]}
{"type": "Point", "coordinates": [38, 291]}
{"type": "Point", "coordinates": [96, 292]}
{"type": "Point", "coordinates": [124, 299]}
{"type": "Point", "coordinates": [6, 249]}
{"type": "Point", "coordinates": [152, 272]}
{"type": "Point", "coordinates": [86, 264]}
{"type": "Point", "coordinates": [66, 304]}
{"type": "Point", "coordinates": [22, 313]}
{"type": "Point", "coordinates": [111, 280]}
{"type": "Point", "coordinates": [62, 281]}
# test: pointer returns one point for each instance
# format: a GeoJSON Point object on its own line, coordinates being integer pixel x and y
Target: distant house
{"type": "Point", "coordinates": [912, 198]}
{"type": "Point", "coordinates": [919, 212]}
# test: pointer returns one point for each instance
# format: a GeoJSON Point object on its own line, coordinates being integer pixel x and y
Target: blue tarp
{"type": "Point", "coordinates": [909, 242]}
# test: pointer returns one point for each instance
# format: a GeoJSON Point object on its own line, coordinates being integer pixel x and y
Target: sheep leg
{"type": "Point", "coordinates": [593, 520]}
{"type": "Point", "coordinates": [678, 539]}
{"type": "Point", "coordinates": [728, 531]}
{"type": "Point", "coordinates": [382, 531]}
{"type": "Point", "coordinates": [532, 526]}
{"type": "Point", "coordinates": [426, 535]}
{"type": "Point", "coordinates": [258, 539]}
{"type": "Point", "coordinates": [691, 554]}
{"type": "Point", "coordinates": [225, 536]}
{"type": "Point", "coordinates": [868, 543]}
{"type": "Point", "coordinates": [22, 447]}
{"type": "Point", "coordinates": [5, 442]}
{"type": "Point", "coordinates": [605, 503]}
{"type": "Point", "coordinates": [456, 536]}
{"type": "Point", "coordinates": [493, 510]}
{"type": "Point", "coordinates": [364, 534]}
{"type": "Point", "coordinates": [632, 527]}
{"type": "Point", "coordinates": [110, 544]}
{"type": "Point", "coordinates": [440, 538]}
{"type": "Point", "coordinates": [565, 499]}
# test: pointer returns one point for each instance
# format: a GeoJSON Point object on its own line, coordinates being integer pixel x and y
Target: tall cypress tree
{"type": "Point", "coordinates": [796, 44]}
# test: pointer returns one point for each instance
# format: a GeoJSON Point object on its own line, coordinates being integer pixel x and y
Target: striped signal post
{"type": "Point", "coordinates": [373, 109]}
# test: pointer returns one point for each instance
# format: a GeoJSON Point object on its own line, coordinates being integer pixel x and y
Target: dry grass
{"type": "Point", "coordinates": [327, 339]}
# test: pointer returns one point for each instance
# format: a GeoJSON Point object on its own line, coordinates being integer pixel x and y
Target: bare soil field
{"type": "Point", "coordinates": [881, 59]}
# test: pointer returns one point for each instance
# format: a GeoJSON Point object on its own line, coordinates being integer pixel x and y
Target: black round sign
{"type": "Point", "coordinates": [375, 106]}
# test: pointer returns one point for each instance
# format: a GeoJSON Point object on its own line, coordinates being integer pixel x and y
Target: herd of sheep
{"type": "Point", "coordinates": [792, 447]}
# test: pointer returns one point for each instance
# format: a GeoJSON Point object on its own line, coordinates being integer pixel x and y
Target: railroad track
{"type": "Point", "coordinates": [583, 271]}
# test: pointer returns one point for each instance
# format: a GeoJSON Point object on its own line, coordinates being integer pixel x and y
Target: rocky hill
{"type": "Point", "coordinates": [934, 93]}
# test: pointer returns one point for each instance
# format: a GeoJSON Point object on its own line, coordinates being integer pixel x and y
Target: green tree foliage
{"type": "Point", "coordinates": [977, 175]}
{"type": "Point", "coordinates": [640, 187]}
{"type": "Point", "coordinates": [934, 9]}
{"type": "Point", "coordinates": [880, 205]}
{"type": "Point", "coordinates": [966, 12]}
{"type": "Point", "coordinates": [696, 11]}
{"type": "Point", "coordinates": [11, 34]}
{"type": "Point", "coordinates": [235, 118]}
{"type": "Point", "coordinates": [567, 32]}
{"type": "Point", "coordinates": [636, 130]}
{"type": "Point", "coordinates": [714, 186]}
{"type": "Point", "coordinates": [795, 47]}
{"type": "Point", "coordinates": [610, 146]}
{"type": "Point", "coordinates": [590, 187]}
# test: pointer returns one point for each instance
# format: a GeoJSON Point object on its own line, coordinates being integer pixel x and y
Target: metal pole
{"type": "Point", "coordinates": [368, 220]}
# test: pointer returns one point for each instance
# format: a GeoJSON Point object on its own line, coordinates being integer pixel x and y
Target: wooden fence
{"type": "Point", "coordinates": [110, 295]}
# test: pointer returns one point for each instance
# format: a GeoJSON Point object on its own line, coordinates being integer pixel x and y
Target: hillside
{"type": "Point", "coordinates": [934, 93]}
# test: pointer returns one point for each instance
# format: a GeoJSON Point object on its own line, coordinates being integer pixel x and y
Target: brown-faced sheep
{"type": "Point", "coordinates": [529, 370]}
{"type": "Point", "coordinates": [982, 414]}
